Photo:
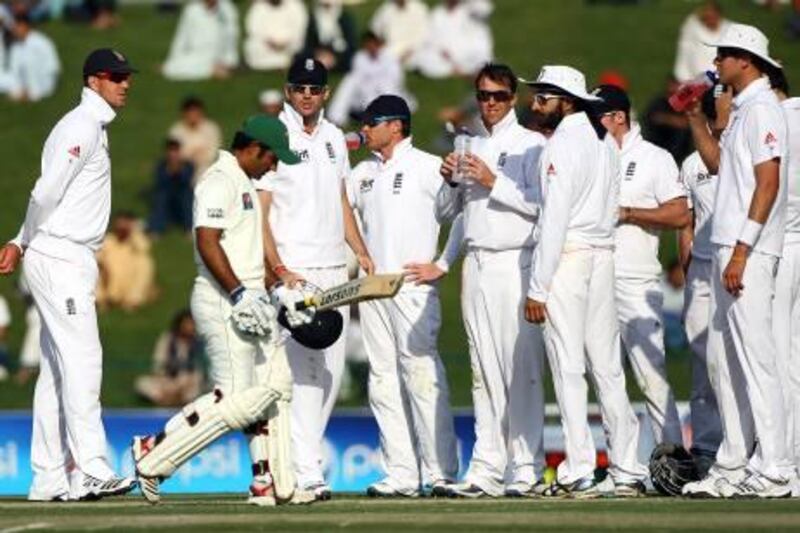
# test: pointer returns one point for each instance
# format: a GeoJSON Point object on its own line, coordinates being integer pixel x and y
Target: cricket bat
{"type": "Point", "coordinates": [358, 290]}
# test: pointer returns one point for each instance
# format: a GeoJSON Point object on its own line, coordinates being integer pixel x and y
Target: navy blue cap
{"type": "Point", "coordinates": [307, 71]}
{"type": "Point", "coordinates": [106, 60]}
{"type": "Point", "coordinates": [387, 107]}
{"type": "Point", "coordinates": [613, 99]}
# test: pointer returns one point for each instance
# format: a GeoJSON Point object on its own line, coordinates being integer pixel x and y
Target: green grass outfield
{"type": "Point", "coordinates": [359, 514]}
{"type": "Point", "coordinates": [639, 41]}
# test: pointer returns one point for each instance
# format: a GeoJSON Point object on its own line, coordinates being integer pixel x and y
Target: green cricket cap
{"type": "Point", "coordinates": [272, 133]}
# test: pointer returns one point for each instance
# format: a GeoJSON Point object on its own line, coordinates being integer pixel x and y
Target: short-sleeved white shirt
{"type": "Point", "coordinates": [5, 313]}
{"type": "Point", "coordinates": [398, 202]}
{"type": "Point", "coordinates": [306, 215]}
{"type": "Point", "coordinates": [792, 108]}
{"type": "Point", "coordinates": [226, 199]}
{"type": "Point", "coordinates": [649, 177]}
{"type": "Point", "coordinates": [756, 133]}
{"type": "Point", "coordinates": [702, 188]}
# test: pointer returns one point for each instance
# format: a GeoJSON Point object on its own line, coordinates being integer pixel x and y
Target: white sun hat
{"type": "Point", "coordinates": [566, 78]}
{"type": "Point", "coordinates": [747, 38]}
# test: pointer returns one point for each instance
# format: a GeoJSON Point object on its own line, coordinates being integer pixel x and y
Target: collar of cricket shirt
{"type": "Point", "coordinates": [99, 108]}
{"type": "Point", "coordinates": [631, 139]}
{"type": "Point", "coordinates": [573, 121]}
{"type": "Point", "coordinates": [750, 92]}
{"type": "Point", "coordinates": [399, 151]}
{"type": "Point", "coordinates": [294, 121]}
{"type": "Point", "coordinates": [504, 125]}
{"type": "Point", "coordinates": [230, 165]}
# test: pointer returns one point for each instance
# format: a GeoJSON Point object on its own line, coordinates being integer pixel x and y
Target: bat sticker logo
{"type": "Point", "coordinates": [344, 293]}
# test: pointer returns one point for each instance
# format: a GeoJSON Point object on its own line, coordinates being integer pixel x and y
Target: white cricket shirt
{"type": "Point", "coordinates": [401, 202]}
{"type": "Point", "coordinates": [580, 190]}
{"type": "Point", "coordinates": [225, 198]}
{"type": "Point", "coordinates": [503, 217]}
{"type": "Point", "coordinates": [306, 214]}
{"type": "Point", "coordinates": [792, 108]}
{"type": "Point", "coordinates": [756, 133]}
{"type": "Point", "coordinates": [649, 177]}
{"type": "Point", "coordinates": [70, 204]}
{"type": "Point", "coordinates": [702, 188]}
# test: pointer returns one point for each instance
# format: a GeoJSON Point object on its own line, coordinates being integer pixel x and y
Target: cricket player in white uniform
{"type": "Point", "coordinates": [251, 377]}
{"type": "Point", "coordinates": [402, 200]}
{"type": "Point", "coordinates": [651, 198]}
{"type": "Point", "coordinates": [695, 253]}
{"type": "Point", "coordinates": [500, 202]}
{"type": "Point", "coordinates": [748, 233]}
{"type": "Point", "coordinates": [572, 285]}
{"type": "Point", "coordinates": [309, 218]}
{"type": "Point", "coordinates": [64, 226]}
{"type": "Point", "coordinates": [786, 308]}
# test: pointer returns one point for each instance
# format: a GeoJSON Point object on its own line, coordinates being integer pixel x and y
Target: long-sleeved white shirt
{"type": "Point", "coordinates": [503, 217]}
{"type": "Point", "coordinates": [693, 55]}
{"type": "Point", "coordinates": [702, 188]}
{"type": "Point", "coordinates": [756, 133]}
{"type": "Point", "coordinates": [306, 214]}
{"type": "Point", "coordinates": [70, 204]}
{"type": "Point", "coordinates": [204, 39]}
{"type": "Point", "coordinates": [402, 203]}
{"type": "Point", "coordinates": [649, 177]}
{"type": "Point", "coordinates": [33, 67]}
{"type": "Point", "coordinates": [791, 107]}
{"type": "Point", "coordinates": [283, 24]}
{"type": "Point", "coordinates": [580, 189]}
{"type": "Point", "coordinates": [402, 28]}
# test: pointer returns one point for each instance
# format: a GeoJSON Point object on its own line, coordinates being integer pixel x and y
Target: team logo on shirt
{"type": "Point", "coordinates": [551, 170]}
{"type": "Point", "coordinates": [703, 177]}
{"type": "Point", "coordinates": [366, 185]}
{"type": "Point", "coordinates": [501, 161]}
{"type": "Point", "coordinates": [303, 155]}
{"type": "Point", "coordinates": [770, 138]}
{"type": "Point", "coordinates": [75, 151]}
{"type": "Point", "coordinates": [215, 212]}
{"type": "Point", "coordinates": [71, 309]}
{"type": "Point", "coordinates": [398, 183]}
{"type": "Point", "coordinates": [631, 170]}
{"type": "Point", "coordinates": [247, 201]}
{"type": "Point", "coordinates": [331, 153]}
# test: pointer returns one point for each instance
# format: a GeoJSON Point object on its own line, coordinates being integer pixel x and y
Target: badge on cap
{"type": "Point", "coordinates": [310, 65]}
{"type": "Point", "coordinates": [118, 55]}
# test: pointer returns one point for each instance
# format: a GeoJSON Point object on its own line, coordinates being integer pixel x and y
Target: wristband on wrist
{"type": "Point", "coordinates": [750, 232]}
{"type": "Point", "coordinates": [280, 269]}
{"type": "Point", "coordinates": [236, 294]}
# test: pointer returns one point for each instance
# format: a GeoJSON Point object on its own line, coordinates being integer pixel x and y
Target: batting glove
{"type": "Point", "coordinates": [283, 296]}
{"type": "Point", "coordinates": [252, 313]}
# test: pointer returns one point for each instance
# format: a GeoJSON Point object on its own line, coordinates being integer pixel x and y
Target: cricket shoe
{"type": "Point", "coordinates": [520, 489]}
{"type": "Point", "coordinates": [384, 489]}
{"type": "Point", "coordinates": [632, 489]}
{"type": "Point", "coordinates": [93, 488]}
{"type": "Point", "coordinates": [711, 486]}
{"type": "Point", "coordinates": [299, 497]}
{"type": "Point", "coordinates": [755, 486]}
{"type": "Point", "coordinates": [440, 488]}
{"type": "Point", "coordinates": [582, 489]}
{"type": "Point", "coordinates": [262, 494]}
{"type": "Point", "coordinates": [322, 492]}
{"type": "Point", "coordinates": [149, 486]}
{"type": "Point", "coordinates": [467, 490]}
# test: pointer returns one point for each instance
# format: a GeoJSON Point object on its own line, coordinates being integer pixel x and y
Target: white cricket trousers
{"type": "Point", "coordinates": [408, 390]}
{"type": "Point", "coordinates": [706, 426]}
{"type": "Point", "coordinates": [640, 305]}
{"type": "Point", "coordinates": [317, 375]}
{"type": "Point", "coordinates": [506, 356]}
{"type": "Point", "coordinates": [786, 328]}
{"type": "Point", "coordinates": [743, 368]}
{"type": "Point", "coordinates": [67, 426]}
{"type": "Point", "coordinates": [582, 331]}
{"type": "Point", "coordinates": [236, 362]}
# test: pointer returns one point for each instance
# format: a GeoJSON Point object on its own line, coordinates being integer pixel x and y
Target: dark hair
{"type": "Point", "coordinates": [23, 18]}
{"type": "Point", "coordinates": [370, 35]}
{"type": "Point", "coordinates": [172, 142]}
{"type": "Point", "coordinates": [177, 318]}
{"type": "Point", "coordinates": [498, 73]}
{"type": "Point", "coordinates": [125, 213]}
{"type": "Point", "coordinates": [191, 102]}
{"type": "Point", "coordinates": [778, 81]}
{"type": "Point", "coordinates": [241, 141]}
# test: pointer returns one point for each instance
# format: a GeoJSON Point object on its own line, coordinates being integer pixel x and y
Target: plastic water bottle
{"type": "Point", "coordinates": [692, 90]}
{"type": "Point", "coordinates": [462, 147]}
{"type": "Point", "coordinates": [354, 140]}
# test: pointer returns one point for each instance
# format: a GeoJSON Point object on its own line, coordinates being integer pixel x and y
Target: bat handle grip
{"type": "Point", "coordinates": [305, 304]}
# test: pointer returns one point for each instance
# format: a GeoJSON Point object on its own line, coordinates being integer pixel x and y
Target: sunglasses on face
{"type": "Point", "coordinates": [314, 90]}
{"type": "Point", "coordinates": [724, 53]}
{"type": "Point", "coordinates": [114, 77]}
{"type": "Point", "coordinates": [376, 121]}
{"type": "Point", "coordinates": [543, 98]}
{"type": "Point", "coordinates": [498, 96]}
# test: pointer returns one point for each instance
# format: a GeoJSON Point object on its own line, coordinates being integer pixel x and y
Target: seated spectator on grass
{"type": "Point", "coordinates": [275, 32]}
{"type": "Point", "coordinates": [127, 269]}
{"type": "Point", "coordinates": [705, 25]}
{"type": "Point", "coordinates": [403, 25]}
{"type": "Point", "coordinates": [459, 41]}
{"type": "Point", "coordinates": [33, 65]}
{"type": "Point", "coordinates": [331, 35]}
{"type": "Point", "coordinates": [199, 136]}
{"type": "Point", "coordinates": [5, 322]}
{"type": "Point", "coordinates": [271, 102]}
{"type": "Point", "coordinates": [177, 376]}
{"type": "Point", "coordinates": [206, 42]}
{"type": "Point", "coordinates": [376, 71]}
{"type": "Point", "coordinates": [172, 191]}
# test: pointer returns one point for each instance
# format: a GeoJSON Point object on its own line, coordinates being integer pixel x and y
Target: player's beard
{"type": "Point", "coordinates": [549, 121]}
